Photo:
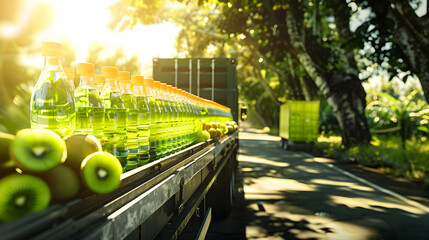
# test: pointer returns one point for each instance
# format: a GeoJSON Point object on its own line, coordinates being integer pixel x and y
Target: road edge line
{"type": "Point", "coordinates": [376, 187]}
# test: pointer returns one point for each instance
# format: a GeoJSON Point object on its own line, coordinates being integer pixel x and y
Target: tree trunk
{"type": "Point", "coordinates": [346, 97]}
{"type": "Point", "coordinates": [262, 81]}
{"type": "Point", "coordinates": [343, 91]}
{"type": "Point", "coordinates": [413, 40]}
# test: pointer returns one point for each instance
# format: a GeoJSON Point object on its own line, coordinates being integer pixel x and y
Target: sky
{"type": "Point", "coordinates": [83, 22]}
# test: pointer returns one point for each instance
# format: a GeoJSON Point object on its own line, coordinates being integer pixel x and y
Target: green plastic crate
{"type": "Point", "coordinates": [299, 121]}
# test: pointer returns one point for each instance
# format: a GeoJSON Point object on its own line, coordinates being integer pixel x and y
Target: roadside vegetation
{"type": "Point", "coordinates": [398, 118]}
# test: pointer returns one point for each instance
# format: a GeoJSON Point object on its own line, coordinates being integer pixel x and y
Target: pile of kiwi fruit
{"type": "Point", "coordinates": [38, 168]}
{"type": "Point", "coordinates": [216, 129]}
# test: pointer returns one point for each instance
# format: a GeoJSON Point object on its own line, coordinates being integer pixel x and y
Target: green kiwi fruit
{"type": "Point", "coordinates": [219, 132]}
{"type": "Point", "coordinates": [37, 150]}
{"type": "Point", "coordinates": [101, 172]}
{"type": "Point", "coordinates": [63, 182]}
{"type": "Point", "coordinates": [22, 194]}
{"type": "Point", "coordinates": [7, 166]}
{"type": "Point", "coordinates": [5, 140]}
{"type": "Point", "coordinates": [79, 146]}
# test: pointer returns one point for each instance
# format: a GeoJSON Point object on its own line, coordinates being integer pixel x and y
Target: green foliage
{"type": "Point", "coordinates": [118, 59]}
{"type": "Point", "coordinates": [16, 80]}
{"type": "Point", "coordinates": [327, 121]}
{"type": "Point", "coordinates": [406, 115]}
{"type": "Point", "coordinates": [385, 153]}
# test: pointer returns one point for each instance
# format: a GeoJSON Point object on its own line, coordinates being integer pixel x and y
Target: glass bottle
{"type": "Point", "coordinates": [168, 131]}
{"type": "Point", "coordinates": [162, 119]}
{"type": "Point", "coordinates": [99, 82]}
{"type": "Point", "coordinates": [132, 119]}
{"type": "Point", "coordinates": [143, 119]}
{"type": "Point", "coordinates": [178, 125]}
{"type": "Point", "coordinates": [115, 116]}
{"type": "Point", "coordinates": [71, 76]}
{"type": "Point", "coordinates": [155, 120]}
{"type": "Point", "coordinates": [174, 117]}
{"type": "Point", "coordinates": [52, 100]}
{"type": "Point", "coordinates": [89, 107]}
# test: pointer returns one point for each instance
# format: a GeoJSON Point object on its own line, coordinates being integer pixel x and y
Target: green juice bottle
{"type": "Point", "coordinates": [52, 100]}
{"type": "Point", "coordinates": [115, 117]}
{"type": "Point", "coordinates": [177, 126]}
{"type": "Point", "coordinates": [168, 129]}
{"type": "Point", "coordinates": [174, 117]}
{"type": "Point", "coordinates": [143, 119]}
{"type": "Point", "coordinates": [196, 118]}
{"type": "Point", "coordinates": [71, 76]}
{"type": "Point", "coordinates": [155, 120]}
{"type": "Point", "coordinates": [182, 119]}
{"type": "Point", "coordinates": [99, 82]}
{"type": "Point", "coordinates": [89, 107]}
{"type": "Point", "coordinates": [162, 120]}
{"type": "Point", "coordinates": [188, 119]}
{"type": "Point", "coordinates": [132, 119]}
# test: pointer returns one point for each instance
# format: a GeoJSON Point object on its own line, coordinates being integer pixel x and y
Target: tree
{"type": "Point", "coordinates": [398, 37]}
{"type": "Point", "coordinates": [16, 80]}
{"type": "Point", "coordinates": [118, 59]}
{"type": "Point", "coordinates": [288, 37]}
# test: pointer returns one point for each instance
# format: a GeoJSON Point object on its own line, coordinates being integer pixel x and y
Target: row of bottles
{"type": "Point", "coordinates": [136, 119]}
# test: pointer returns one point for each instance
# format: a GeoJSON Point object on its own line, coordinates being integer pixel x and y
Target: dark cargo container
{"type": "Point", "coordinates": [209, 78]}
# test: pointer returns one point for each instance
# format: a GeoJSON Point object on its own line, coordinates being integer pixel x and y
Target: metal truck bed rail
{"type": "Point", "coordinates": [149, 196]}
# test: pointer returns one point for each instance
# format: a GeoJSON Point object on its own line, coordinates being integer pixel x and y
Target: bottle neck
{"type": "Point", "coordinates": [86, 81]}
{"type": "Point", "coordinates": [148, 91]}
{"type": "Point", "coordinates": [111, 84]}
{"type": "Point", "coordinates": [125, 87]}
{"type": "Point", "coordinates": [53, 63]}
{"type": "Point", "coordinates": [138, 90]}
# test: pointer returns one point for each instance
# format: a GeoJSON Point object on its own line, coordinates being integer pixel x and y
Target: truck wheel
{"type": "Point", "coordinates": [221, 195]}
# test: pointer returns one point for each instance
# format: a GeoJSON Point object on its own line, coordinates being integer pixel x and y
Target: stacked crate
{"type": "Point", "coordinates": [209, 78]}
{"type": "Point", "coordinates": [299, 121]}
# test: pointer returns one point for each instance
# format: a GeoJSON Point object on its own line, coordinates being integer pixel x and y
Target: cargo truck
{"type": "Point", "coordinates": [159, 199]}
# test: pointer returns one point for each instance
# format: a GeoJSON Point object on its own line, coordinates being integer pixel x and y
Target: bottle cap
{"type": "Point", "coordinates": [52, 49]}
{"type": "Point", "coordinates": [124, 76]}
{"type": "Point", "coordinates": [169, 88]}
{"type": "Point", "coordinates": [70, 73]}
{"type": "Point", "coordinates": [85, 68]}
{"type": "Point", "coordinates": [110, 72]}
{"type": "Point", "coordinates": [137, 80]}
{"type": "Point", "coordinates": [98, 78]}
{"type": "Point", "coordinates": [156, 84]}
{"type": "Point", "coordinates": [148, 82]}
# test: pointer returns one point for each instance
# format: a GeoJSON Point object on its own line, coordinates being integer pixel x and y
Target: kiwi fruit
{"type": "Point", "coordinates": [37, 150]}
{"type": "Point", "coordinates": [206, 135]}
{"type": "Point", "coordinates": [5, 140]}
{"type": "Point", "coordinates": [79, 146]}
{"type": "Point", "coordinates": [7, 166]}
{"type": "Point", "coordinates": [207, 126]}
{"type": "Point", "coordinates": [213, 133]}
{"type": "Point", "coordinates": [101, 172]}
{"type": "Point", "coordinates": [63, 182]}
{"type": "Point", "coordinates": [219, 132]}
{"type": "Point", "coordinates": [22, 194]}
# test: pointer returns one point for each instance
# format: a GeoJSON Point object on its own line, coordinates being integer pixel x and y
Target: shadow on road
{"type": "Point", "coordinates": [286, 195]}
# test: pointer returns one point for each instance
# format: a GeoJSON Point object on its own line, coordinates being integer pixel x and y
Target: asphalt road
{"type": "Point", "coordinates": [291, 195]}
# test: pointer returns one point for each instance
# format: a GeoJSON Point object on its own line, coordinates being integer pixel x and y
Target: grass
{"type": "Point", "coordinates": [384, 153]}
